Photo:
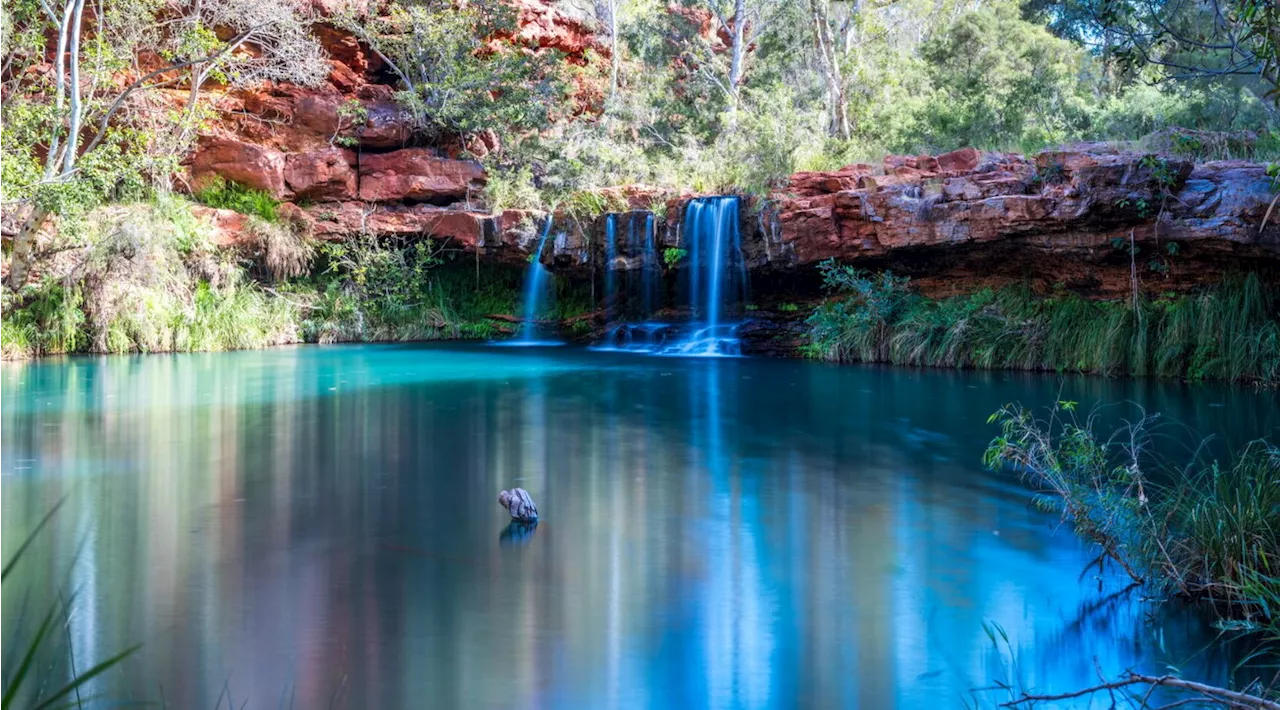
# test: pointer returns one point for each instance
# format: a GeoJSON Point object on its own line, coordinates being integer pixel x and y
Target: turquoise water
{"type": "Point", "coordinates": [320, 523]}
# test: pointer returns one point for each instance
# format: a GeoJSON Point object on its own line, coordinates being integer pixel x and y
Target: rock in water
{"type": "Point", "coordinates": [519, 504]}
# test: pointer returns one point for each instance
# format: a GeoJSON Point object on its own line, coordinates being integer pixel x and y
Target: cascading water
{"type": "Point", "coordinates": [717, 274]}
{"type": "Point", "coordinates": [717, 279]}
{"type": "Point", "coordinates": [610, 267]}
{"type": "Point", "coordinates": [650, 271]}
{"type": "Point", "coordinates": [536, 283]}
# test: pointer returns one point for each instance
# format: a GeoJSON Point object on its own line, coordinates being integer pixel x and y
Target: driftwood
{"type": "Point", "coordinates": [519, 505]}
{"type": "Point", "coordinates": [1205, 695]}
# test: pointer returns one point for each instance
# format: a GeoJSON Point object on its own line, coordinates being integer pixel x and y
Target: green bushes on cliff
{"type": "Point", "coordinates": [1230, 332]}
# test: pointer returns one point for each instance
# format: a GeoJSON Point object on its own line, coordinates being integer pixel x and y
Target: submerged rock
{"type": "Point", "coordinates": [519, 505]}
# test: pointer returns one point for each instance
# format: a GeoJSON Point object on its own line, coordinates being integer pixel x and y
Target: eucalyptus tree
{"type": "Point", "coordinates": [739, 25]}
{"type": "Point", "coordinates": [458, 73]}
{"type": "Point", "coordinates": [1187, 39]}
{"type": "Point", "coordinates": [92, 126]}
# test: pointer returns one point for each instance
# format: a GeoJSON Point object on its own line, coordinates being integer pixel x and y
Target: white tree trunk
{"type": "Point", "coordinates": [738, 55]}
{"type": "Point", "coordinates": [24, 248]}
{"type": "Point", "coordinates": [60, 86]}
{"type": "Point", "coordinates": [613, 38]}
{"type": "Point", "coordinates": [836, 91]}
{"type": "Point", "coordinates": [73, 130]}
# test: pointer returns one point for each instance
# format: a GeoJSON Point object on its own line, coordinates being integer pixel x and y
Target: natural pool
{"type": "Point", "coordinates": [318, 526]}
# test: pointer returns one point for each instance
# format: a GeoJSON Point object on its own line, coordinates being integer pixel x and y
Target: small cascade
{"type": "Point", "coordinates": [717, 275]}
{"type": "Point", "coordinates": [536, 287]}
{"type": "Point", "coordinates": [716, 278]}
{"type": "Point", "coordinates": [638, 337]}
{"type": "Point", "coordinates": [610, 267]}
{"type": "Point", "coordinates": [652, 270]}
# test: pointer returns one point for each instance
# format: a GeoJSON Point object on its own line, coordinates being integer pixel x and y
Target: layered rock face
{"type": "Point", "coordinates": [1086, 220]}
{"type": "Point", "coordinates": [346, 159]}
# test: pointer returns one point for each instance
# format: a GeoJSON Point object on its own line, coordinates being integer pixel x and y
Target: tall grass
{"type": "Point", "coordinates": [40, 668]}
{"type": "Point", "coordinates": [1208, 531]}
{"type": "Point", "coordinates": [17, 340]}
{"type": "Point", "coordinates": [1229, 332]}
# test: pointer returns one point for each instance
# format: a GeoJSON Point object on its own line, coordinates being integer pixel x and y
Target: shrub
{"type": "Point", "coordinates": [1205, 530]}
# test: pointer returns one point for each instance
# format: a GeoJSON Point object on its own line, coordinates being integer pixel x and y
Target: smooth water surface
{"type": "Point", "coordinates": [318, 526]}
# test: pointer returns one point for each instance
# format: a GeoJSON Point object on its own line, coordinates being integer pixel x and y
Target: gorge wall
{"type": "Point", "coordinates": [1088, 219]}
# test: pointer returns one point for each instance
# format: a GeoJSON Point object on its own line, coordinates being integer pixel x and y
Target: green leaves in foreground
{"type": "Point", "coordinates": [42, 656]}
{"type": "Point", "coordinates": [1208, 531]}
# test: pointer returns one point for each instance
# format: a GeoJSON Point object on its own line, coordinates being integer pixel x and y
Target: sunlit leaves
{"type": "Point", "coordinates": [464, 78]}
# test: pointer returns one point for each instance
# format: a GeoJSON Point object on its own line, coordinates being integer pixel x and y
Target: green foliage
{"type": "Point", "coordinates": [457, 82]}
{"type": "Point", "coordinates": [512, 189]}
{"type": "Point", "coordinates": [227, 195]}
{"type": "Point", "coordinates": [55, 317]}
{"type": "Point", "coordinates": [586, 205]}
{"type": "Point", "coordinates": [17, 340]}
{"type": "Point", "coordinates": [672, 256]}
{"type": "Point", "coordinates": [375, 290]}
{"type": "Point", "coordinates": [234, 317]}
{"type": "Point", "coordinates": [1230, 332]}
{"type": "Point", "coordinates": [46, 676]}
{"type": "Point", "coordinates": [352, 117]}
{"type": "Point", "coordinates": [147, 281]}
{"type": "Point", "coordinates": [999, 79]}
{"type": "Point", "coordinates": [1204, 530]}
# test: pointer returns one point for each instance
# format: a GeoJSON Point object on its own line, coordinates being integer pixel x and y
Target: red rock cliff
{"type": "Point", "coordinates": [1062, 217]}
{"type": "Point", "coordinates": [340, 175]}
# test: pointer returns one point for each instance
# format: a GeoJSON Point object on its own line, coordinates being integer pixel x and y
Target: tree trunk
{"type": "Point", "coordinates": [831, 72]}
{"type": "Point", "coordinates": [73, 131]}
{"type": "Point", "coordinates": [738, 53]}
{"type": "Point", "coordinates": [24, 248]}
{"type": "Point", "coordinates": [60, 84]}
{"type": "Point", "coordinates": [613, 38]}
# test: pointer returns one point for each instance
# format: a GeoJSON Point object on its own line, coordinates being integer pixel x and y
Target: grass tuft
{"type": "Point", "coordinates": [1207, 531]}
{"type": "Point", "coordinates": [1229, 332]}
{"type": "Point", "coordinates": [224, 194]}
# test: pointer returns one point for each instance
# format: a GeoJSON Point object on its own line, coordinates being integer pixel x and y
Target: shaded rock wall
{"type": "Point", "coordinates": [1060, 218]}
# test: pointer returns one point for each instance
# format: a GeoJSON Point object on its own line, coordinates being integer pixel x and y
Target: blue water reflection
{"type": "Point", "coordinates": [322, 523]}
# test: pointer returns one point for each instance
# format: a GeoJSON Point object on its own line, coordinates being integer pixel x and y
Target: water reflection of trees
{"type": "Point", "coordinates": [735, 530]}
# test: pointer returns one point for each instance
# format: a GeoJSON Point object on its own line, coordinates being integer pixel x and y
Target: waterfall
{"type": "Point", "coordinates": [651, 270]}
{"type": "Point", "coordinates": [717, 273]}
{"type": "Point", "coordinates": [536, 282]}
{"type": "Point", "coordinates": [610, 267]}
